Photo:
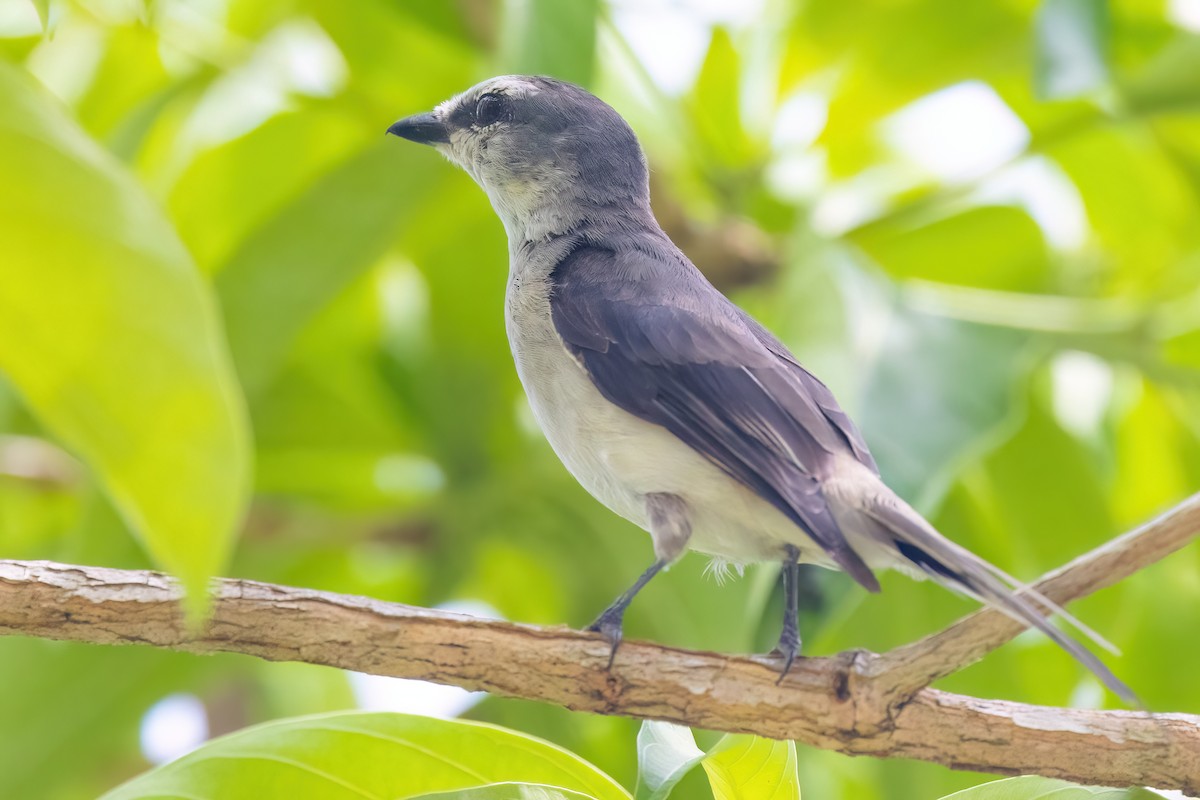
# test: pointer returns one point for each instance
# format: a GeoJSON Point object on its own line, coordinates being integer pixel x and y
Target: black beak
{"type": "Point", "coordinates": [423, 128]}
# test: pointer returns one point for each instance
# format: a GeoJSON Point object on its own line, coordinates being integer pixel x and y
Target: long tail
{"type": "Point", "coordinates": [959, 569]}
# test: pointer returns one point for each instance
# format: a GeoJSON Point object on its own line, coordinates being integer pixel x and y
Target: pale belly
{"type": "Point", "coordinates": [620, 458]}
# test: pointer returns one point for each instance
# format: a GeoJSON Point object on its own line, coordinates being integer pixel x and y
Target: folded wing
{"type": "Point", "coordinates": [657, 340]}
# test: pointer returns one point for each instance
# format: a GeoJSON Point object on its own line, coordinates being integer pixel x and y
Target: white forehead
{"type": "Point", "coordinates": [512, 85]}
{"type": "Point", "coordinates": [515, 86]}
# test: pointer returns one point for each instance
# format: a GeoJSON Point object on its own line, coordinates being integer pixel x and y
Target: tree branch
{"type": "Point", "coordinates": [846, 702]}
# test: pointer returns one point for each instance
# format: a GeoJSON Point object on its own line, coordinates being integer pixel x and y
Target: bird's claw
{"type": "Point", "coordinates": [609, 625]}
{"type": "Point", "coordinates": [787, 649]}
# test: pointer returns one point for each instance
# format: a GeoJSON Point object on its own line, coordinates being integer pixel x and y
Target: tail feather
{"type": "Point", "coordinates": [957, 568]}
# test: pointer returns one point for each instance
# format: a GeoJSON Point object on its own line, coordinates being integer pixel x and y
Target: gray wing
{"type": "Point", "coordinates": [660, 342]}
{"type": "Point", "coordinates": [817, 390]}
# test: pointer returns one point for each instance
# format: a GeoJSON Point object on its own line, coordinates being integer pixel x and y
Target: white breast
{"type": "Point", "coordinates": [583, 428]}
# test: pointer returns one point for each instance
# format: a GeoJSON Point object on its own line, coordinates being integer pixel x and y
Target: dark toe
{"type": "Point", "coordinates": [786, 650]}
{"type": "Point", "coordinates": [609, 626]}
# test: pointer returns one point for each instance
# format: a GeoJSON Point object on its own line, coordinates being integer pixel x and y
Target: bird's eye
{"type": "Point", "coordinates": [489, 108]}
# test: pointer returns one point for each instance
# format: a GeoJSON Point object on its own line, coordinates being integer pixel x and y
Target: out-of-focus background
{"type": "Point", "coordinates": [979, 222]}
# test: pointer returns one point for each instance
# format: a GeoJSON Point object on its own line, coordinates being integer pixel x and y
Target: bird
{"type": "Point", "coordinates": [670, 404]}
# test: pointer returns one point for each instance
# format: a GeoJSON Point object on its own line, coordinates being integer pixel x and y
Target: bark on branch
{"type": "Point", "coordinates": [856, 702]}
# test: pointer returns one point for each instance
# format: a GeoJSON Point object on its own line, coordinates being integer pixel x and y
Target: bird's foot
{"type": "Point", "coordinates": [787, 649]}
{"type": "Point", "coordinates": [609, 626]}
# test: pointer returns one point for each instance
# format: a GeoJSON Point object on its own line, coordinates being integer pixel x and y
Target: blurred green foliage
{"type": "Point", "coordinates": [978, 221]}
{"type": "Point", "coordinates": [113, 340]}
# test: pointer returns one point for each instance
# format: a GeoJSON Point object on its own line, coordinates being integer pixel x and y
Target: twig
{"type": "Point", "coordinates": [844, 703]}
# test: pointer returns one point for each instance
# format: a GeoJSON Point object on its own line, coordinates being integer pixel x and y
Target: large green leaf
{"type": "Point", "coordinates": [1143, 212]}
{"type": "Point", "coordinates": [231, 191]}
{"type": "Point", "coordinates": [1032, 787]}
{"type": "Point", "coordinates": [716, 106]}
{"type": "Point", "coordinates": [938, 391]}
{"type": "Point", "coordinates": [550, 37]}
{"type": "Point", "coordinates": [374, 755]}
{"type": "Point", "coordinates": [997, 247]}
{"type": "Point", "coordinates": [130, 80]}
{"type": "Point", "coordinates": [1171, 81]}
{"type": "Point", "coordinates": [752, 768]}
{"type": "Point", "coordinates": [298, 260]}
{"type": "Point", "coordinates": [112, 338]}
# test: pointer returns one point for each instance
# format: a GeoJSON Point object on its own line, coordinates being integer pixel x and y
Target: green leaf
{"type": "Point", "coordinates": [1072, 47]}
{"type": "Point", "coordinates": [231, 191]}
{"type": "Point", "coordinates": [509, 791]}
{"type": "Point", "coordinates": [129, 82]}
{"type": "Point", "coordinates": [1032, 787]}
{"type": "Point", "coordinates": [715, 106]}
{"type": "Point", "coordinates": [356, 755]}
{"type": "Point", "coordinates": [995, 247]}
{"type": "Point", "coordinates": [752, 768]}
{"type": "Point", "coordinates": [550, 37]}
{"type": "Point", "coordinates": [1141, 208]}
{"type": "Point", "coordinates": [666, 753]}
{"type": "Point", "coordinates": [937, 391]}
{"type": "Point", "coordinates": [112, 338]}
{"type": "Point", "coordinates": [298, 260]}
{"type": "Point", "coordinates": [1064, 506]}
{"type": "Point", "coordinates": [1171, 81]}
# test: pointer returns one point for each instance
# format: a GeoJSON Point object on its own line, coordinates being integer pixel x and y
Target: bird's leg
{"type": "Point", "coordinates": [670, 529]}
{"type": "Point", "coordinates": [789, 637]}
{"type": "Point", "coordinates": [609, 623]}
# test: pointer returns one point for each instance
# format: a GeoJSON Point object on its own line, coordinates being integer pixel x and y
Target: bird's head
{"type": "Point", "coordinates": [539, 147]}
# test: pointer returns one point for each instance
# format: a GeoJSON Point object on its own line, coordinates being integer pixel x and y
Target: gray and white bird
{"type": "Point", "coordinates": [671, 405]}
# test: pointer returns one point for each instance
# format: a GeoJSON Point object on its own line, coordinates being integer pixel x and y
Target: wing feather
{"type": "Point", "coordinates": [660, 342]}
